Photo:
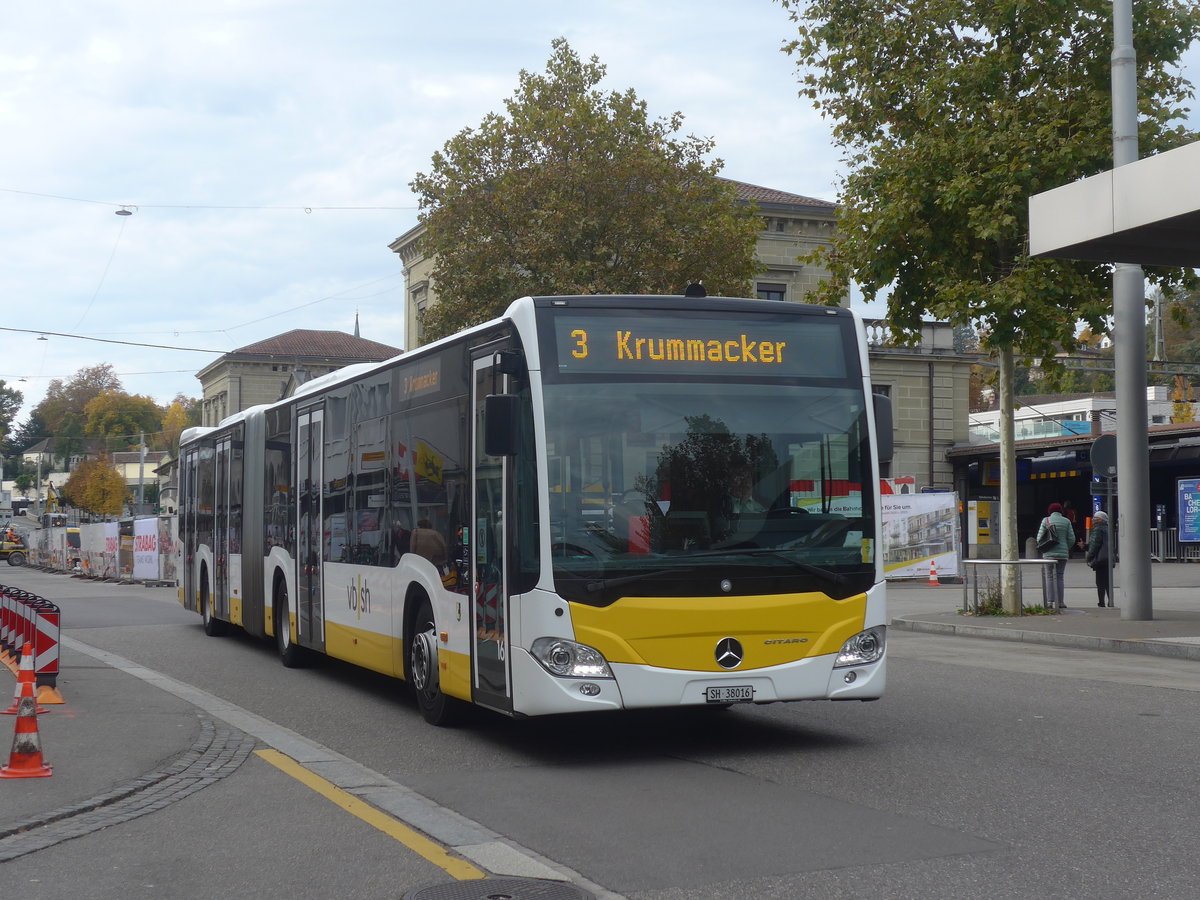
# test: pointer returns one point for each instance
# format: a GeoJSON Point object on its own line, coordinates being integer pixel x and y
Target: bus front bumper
{"type": "Point", "coordinates": [537, 692]}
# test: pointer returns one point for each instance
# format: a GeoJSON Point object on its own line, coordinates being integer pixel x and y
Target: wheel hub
{"type": "Point", "coordinates": [424, 664]}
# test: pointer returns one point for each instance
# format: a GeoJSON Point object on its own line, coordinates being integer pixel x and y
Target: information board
{"type": "Point", "coordinates": [1189, 508]}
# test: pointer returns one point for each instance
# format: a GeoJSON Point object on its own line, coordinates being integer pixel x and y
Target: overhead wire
{"type": "Point", "coordinates": [132, 206]}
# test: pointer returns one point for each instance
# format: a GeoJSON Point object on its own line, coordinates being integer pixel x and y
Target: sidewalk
{"type": "Point", "coordinates": [1173, 632]}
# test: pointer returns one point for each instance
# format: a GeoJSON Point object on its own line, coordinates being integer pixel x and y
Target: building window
{"type": "Point", "coordinates": [767, 291]}
{"type": "Point", "coordinates": [781, 225]}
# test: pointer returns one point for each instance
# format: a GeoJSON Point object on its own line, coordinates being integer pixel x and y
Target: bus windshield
{"type": "Point", "coordinates": [687, 486]}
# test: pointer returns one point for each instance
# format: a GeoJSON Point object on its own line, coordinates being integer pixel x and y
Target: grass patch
{"type": "Point", "coordinates": [991, 602]}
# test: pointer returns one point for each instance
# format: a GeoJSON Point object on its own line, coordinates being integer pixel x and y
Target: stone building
{"type": "Point", "coordinates": [270, 369]}
{"type": "Point", "coordinates": [929, 386]}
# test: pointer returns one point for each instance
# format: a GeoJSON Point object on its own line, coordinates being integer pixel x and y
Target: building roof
{"type": "Point", "coordinates": [770, 196]}
{"type": "Point", "coordinates": [304, 343]}
{"type": "Point", "coordinates": [125, 457]}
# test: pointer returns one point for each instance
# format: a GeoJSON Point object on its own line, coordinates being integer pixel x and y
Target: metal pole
{"type": "Point", "coordinates": [1010, 590]}
{"type": "Point", "coordinates": [1112, 548]}
{"type": "Point", "coordinates": [141, 470]}
{"type": "Point", "coordinates": [1129, 336]}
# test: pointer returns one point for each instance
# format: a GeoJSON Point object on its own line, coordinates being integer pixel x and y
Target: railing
{"type": "Point", "coordinates": [1166, 547]}
{"type": "Point", "coordinates": [974, 570]}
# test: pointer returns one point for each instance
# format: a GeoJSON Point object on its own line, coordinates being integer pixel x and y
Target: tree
{"type": "Point", "coordinates": [576, 191]}
{"type": "Point", "coordinates": [183, 412]}
{"type": "Point", "coordinates": [10, 405]}
{"type": "Point", "coordinates": [950, 115]}
{"type": "Point", "coordinates": [121, 418]}
{"type": "Point", "coordinates": [62, 411]}
{"type": "Point", "coordinates": [96, 487]}
{"type": "Point", "coordinates": [174, 421]}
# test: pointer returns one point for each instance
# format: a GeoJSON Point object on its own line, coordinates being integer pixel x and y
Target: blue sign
{"type": "Point", "coordinates": [1189, 508]}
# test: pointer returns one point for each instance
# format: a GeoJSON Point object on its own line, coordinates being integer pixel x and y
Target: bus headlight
{"type": "Point", "coordinates": [568, 659]}
{"type": "Point", "coordinates": [864, 648]}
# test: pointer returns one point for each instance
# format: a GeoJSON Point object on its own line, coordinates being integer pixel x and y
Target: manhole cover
{"type": "Point", "coordinates": [502, 889]}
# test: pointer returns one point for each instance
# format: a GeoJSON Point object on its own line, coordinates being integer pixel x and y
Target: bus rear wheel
{"type": "Point", "coordinates": [423, 673]}
{"type": "Point", "coordinates": [213, 626]}
{"type": "Point", "coordinates": [290, 654]}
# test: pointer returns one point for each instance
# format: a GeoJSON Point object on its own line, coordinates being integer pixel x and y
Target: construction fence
{"type": "Point", "coordinates": [141, 550]}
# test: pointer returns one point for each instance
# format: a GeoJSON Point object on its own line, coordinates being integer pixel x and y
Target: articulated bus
{"type": "Point", "coordinates": [589, 503]}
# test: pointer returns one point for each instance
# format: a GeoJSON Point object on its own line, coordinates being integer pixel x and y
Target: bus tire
{"type": "Point", "coordinates": [290, 654]}
{"type": "Point", "coordinates": [16, 558]}
{"type": "Point", "coordinates": [421, 664]}
{"type": "Point", "coordinates": [213, 626]}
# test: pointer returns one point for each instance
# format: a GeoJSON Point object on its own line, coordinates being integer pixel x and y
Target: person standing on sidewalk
{"type": "Point", "coordinates": [1065, 538]}
{"type": "Point", "coordinates": [1098, 548]}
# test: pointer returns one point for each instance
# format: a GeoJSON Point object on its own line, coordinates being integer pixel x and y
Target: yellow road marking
{"type": "Point", "coordinates": [436, 854]}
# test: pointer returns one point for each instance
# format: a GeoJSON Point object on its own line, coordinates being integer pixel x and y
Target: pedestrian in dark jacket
{"type": "Point", "coordinates": [1065, 538]}
{"type": "Point", "coordinates": [1098, 550]}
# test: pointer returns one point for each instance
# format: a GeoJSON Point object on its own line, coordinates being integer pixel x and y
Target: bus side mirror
{"type": "Point", "coordinates": [883, 426]}
{"type": "Point", "coordinates": [500, 424]}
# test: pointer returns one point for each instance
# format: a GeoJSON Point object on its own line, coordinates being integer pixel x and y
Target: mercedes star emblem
{"type": "Point", "coordinates": [729, 653]}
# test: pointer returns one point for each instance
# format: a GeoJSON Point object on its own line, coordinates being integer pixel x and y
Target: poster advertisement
{"type": "Point", "coordinates": [1189, 509]}
{"type": "Point", "coordinates": [145, 549]}
{"type": "Point", "coordinates": [920, 532]}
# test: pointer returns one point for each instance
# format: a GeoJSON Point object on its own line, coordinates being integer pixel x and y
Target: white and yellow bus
{"type": "Point", "coordinates": [590, 503]}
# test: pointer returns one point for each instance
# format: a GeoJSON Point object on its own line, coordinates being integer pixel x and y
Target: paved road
{"type": "Point", "coordinates": [991, 768]}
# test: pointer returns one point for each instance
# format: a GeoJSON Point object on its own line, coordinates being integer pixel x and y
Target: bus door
{"type": "Point", "coordinates": [310, 454]}
{"type": "Point", "coordinates": [221, 535]}
{"type": "Point", "coordinates": [489, 650]}
{"type": "Point", "coordinates": [189, 501]}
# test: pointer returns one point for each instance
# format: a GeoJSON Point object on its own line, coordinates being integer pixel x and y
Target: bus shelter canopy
{"type": "Point", "coordinates": [1144, 213]}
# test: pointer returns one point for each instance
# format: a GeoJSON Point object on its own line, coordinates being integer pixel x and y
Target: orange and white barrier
{"type": "Point", "coordinates": [25, 760]}
{"type": "Point", "coordinates": [27, 619]}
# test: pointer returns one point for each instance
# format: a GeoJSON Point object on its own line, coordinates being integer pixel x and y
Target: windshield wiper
{"type": "Point", "coordinates": [602, 583]}
{"type": "Point", "coordinates": [829, 575]}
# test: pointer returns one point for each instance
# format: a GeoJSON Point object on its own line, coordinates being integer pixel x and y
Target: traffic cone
{"type": "Point", "coordinates": [24, 677]}
{"type": "Point", "coordinates": [933, 579]}
{"type": "Point", "coordinates": [25, 760]}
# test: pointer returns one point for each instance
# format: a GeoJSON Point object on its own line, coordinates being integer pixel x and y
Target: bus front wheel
{"type": "Point", "coordinates": [423, 674]}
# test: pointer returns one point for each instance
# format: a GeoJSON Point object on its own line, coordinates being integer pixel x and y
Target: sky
{"type": "Point", "coordinates": [265, 147]}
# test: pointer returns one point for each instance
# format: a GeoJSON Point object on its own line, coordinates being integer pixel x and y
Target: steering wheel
{"type": "Point", "coordinates": [562, 548]}
{"type": "Point", "coordinates": [826, 532]}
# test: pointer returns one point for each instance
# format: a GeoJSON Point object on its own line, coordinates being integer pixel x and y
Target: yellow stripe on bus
{"type": "Point", "coordinates": [369, 649]}
{"type": "Point", "coordinates": [418, 843]}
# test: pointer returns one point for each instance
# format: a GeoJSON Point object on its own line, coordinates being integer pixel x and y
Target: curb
{"type": "Point", "coordinates": [1146, 646]}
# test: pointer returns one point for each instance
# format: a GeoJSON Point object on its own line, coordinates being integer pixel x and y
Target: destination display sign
{"type": "Point", "coordinates": [636, 344]}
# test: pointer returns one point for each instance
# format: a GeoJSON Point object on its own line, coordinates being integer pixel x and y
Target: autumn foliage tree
{"type": "Point", "coordinates": [121, 419]}
{"type": "Point", "coordinates": [576, 191]}
{"type": "Point", "coordinates": [96, 487]}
